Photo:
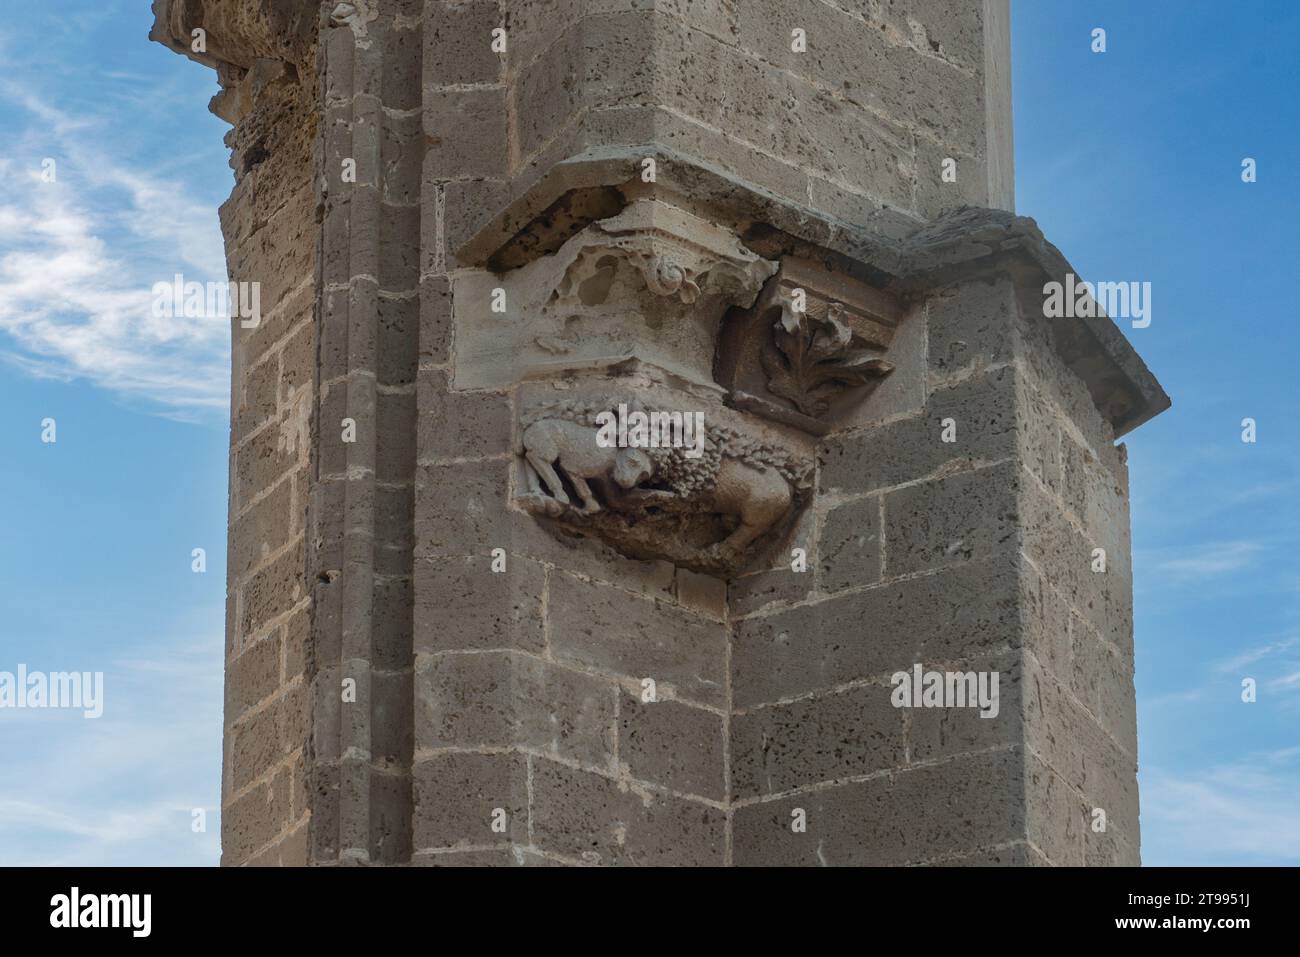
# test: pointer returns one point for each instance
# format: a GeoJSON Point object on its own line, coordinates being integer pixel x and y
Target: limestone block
{"type": "Point", "coordinates": [905, 817]}
{"type": "Point", "coordinates": [459, 796]}
{"type": "Point", "coordinates": [967, 517]}
{"type": "Point", "coordinates": [831, 736]}
{"type": "Point", "coordinates": [672, 744]}
{"type": "Point", "coordinates": [597, 820]}
{"type": "Point", "coordinates": [957, 613]}
{"type": "Point", "coordinates": [849, 552]}
{"type": "Point", "coordinates": [604, 629]}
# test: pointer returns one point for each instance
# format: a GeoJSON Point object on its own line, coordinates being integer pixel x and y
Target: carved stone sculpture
{"type": "Point", "coordinates": [653, 282]}
{"type": "Point", "coordinates": [815, 338]}
{"type": "Point", "coordinates": [809, 361]}
{"type": "Point", "coordinates": [659, 289]}
{"type": "Point", "coordinates": [559, 449]}
{"type": "Point", "coordinates": [702, 512]}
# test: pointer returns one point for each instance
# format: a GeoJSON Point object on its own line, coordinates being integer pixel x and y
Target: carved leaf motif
{"type": "Point", "coordinates": [809, 360]}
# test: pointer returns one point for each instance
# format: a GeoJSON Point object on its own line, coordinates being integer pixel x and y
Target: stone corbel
{"type": "Point", "coordinates": [620, 323]}
{"type": "Point", "coordinates": [651, 283]}
{"type": "Point", "coordinates": [597, 454]}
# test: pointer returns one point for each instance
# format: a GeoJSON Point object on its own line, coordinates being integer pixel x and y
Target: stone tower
{"type": "Point", "coordinates": [464, 628]}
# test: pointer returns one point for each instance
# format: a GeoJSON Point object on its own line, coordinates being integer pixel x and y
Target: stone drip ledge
{"type": "Point", "coordinates": [970, 243]}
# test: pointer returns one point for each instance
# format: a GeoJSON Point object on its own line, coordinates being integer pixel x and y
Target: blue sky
{"type": "Point", "coordinates": [1130, 161]}
{"type": "Point", "coordinates": [96, 539]}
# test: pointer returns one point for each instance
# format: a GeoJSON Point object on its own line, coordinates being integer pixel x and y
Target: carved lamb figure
{"type": "Point", "coordinates": [552, 443]}
{"type": "Point", "coordinates": [754, 483]}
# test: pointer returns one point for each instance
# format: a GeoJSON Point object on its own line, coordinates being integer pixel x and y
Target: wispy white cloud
{"type": "Point", "coordinates": [1258, 653]}
{"type": "Point", "coordinates": [1207, 560]}
{"type": "Point", "coordinates": [1287, 681]}
{"type": "Point", "coordinates": [1244, 812]}
{"type": "Point", "coordinates": [78, 260]}
{"type": "Point", "coordinates": [1176, 697]}
{"type": "Point", "coordinates": [121, 788]}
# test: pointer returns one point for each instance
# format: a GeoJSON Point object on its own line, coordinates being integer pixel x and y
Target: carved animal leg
{"type": "Point", "coordinates": [553, 483]}
{"type": "Point", "coordinates": [742, 536]}
{"type": "Point", "coordinates": [589, 503]}
{"type": "Point", "coordinates": [758, 498]}
{"type": "Point", "coordinates": [534, 481]}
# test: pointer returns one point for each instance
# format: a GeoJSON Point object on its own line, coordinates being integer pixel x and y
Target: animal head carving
{"type": "Point", "coordinates": [631, 468]}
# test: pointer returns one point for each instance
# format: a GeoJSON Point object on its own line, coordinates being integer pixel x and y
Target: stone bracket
{"type": "Point", "coordinates": [652, 282]}
{"type": "Point", "coordinates": [598, 454]}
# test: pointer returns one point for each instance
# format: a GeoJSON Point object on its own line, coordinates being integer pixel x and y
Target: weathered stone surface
{"type": "Point", "coordinates": [564, 713]}
{"type": "Point", "coordinates": [458, 796]}
{"type": "Point", "coordinates": [781, 584]}
{"type": "Point", "coordinates": [909, 816]}
{"type": "Point", "coordinates": [848, 554]}
{"type": "Point", "coordinates": [601, 821]}
{"type": "Point", "coordinates": [672, 744]}
{"type": "Point", "coordinates": [967, 517]}
{"type": "Point", "coordinates": [981, 413]}
{"type": "Point", "coordinates": [433, 658]}
{"type": "Point", "coordinates": [611, 631]}
{"type": "Point", "coordinates": [829, 737]}
{"type": "Point", "coordinates": [972, 326]}
{"type": "Point", "coordinates": [462, 605]}
{"type": "Point", "coordinates": [461, 425]}
{"type": "Point", "coordinates": [955, 614]}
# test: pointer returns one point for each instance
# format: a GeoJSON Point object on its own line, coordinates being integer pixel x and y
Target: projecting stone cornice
{"type": "Point", "coordinates": [969, 243]}
{"type": "Point", "coordinates": [892, 252]}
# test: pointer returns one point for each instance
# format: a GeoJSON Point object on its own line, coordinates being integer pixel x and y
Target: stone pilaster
{"type": "Point", "coordinates": [368, 174]}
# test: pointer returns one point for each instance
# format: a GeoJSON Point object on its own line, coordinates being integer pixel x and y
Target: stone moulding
{"type": "Point", "coordinates": [652, 283]}
{"type": "Point", "coordinates": [968, 243]}
{"type": "Point", "coordinates": [893, 253]}
{"type": "Point", "coordinates": [678, 256]}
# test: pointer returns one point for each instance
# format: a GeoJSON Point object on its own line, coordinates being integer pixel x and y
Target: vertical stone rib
{"type": "Point", "coordinates": [360, 457]}
{"type": "Point", "coordinates": [362, 639]}
{"type": "Point", "coordinates": [349, 312]}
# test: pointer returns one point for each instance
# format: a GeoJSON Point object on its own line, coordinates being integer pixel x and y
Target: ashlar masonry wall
{"type": "Point", "coordinates": [271, 239]}
{"type": "Point", "coordinates": [432, 661]}
{"type": "Point", "coordinates": [974, 554]}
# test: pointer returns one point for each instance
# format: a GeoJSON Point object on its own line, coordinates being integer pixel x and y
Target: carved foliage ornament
{"type": "Point", "coordinates": [809, 361]}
